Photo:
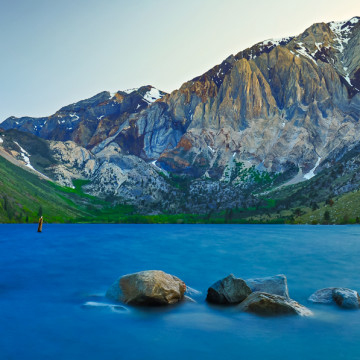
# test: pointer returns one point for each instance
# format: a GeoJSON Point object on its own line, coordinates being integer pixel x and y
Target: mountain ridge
{"type": "Point", "coordinates": [276, 113]}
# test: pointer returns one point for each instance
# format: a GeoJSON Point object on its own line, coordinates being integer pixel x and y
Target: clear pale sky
{"type": "Point", "coordinates": [54, 53]}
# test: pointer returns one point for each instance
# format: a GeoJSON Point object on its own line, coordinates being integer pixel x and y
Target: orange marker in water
{"type": "Point", "coordinates": [40, 224]}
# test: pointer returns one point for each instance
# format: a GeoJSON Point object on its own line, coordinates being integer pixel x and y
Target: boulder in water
{"type": "Point", "coordinates": [343, 297]}
{"type": "Point", "coordinates": [271, 305]}
{"type": "Point", "coordinates": [346, 298]}
{"type": "Point", "coordinates": [276, 285]}
{"type": "Point", "coordinates": [230, 290]}
{"type": "Point", "coordinates": [152, 287]}
{"type": "Point", "coordinates": [322, 296]}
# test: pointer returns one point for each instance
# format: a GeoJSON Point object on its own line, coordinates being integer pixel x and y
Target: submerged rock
{"type": "Point", "coordinates": [152, 287]}
{"type": "Point", "coordinates": [276, 285]}
{"type": "Point", "coordinates": [343, 297]}
{"type": "Point", "coordinates": [230, 290]}
{"type": "Point", "coordinates": [271, 305]}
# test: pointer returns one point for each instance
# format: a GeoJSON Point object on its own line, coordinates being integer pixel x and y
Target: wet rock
{"type": "Point", "coordinates": [152, 287]}
{"type": "Point", "coordinates": [271, 305]}
{"type": "Point", "coordinates": [276, 285]}
{"type": "Point", "coordinates": [322, 296]}
{"type": "Point", "coordinates": [343, 297]}
{"type": "Point", "coordinates": [230, 290]}
{"type": "Point", "coordinates": [346, 298]}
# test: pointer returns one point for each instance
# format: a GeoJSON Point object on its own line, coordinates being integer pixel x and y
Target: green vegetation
{"type": "Point", "coordinates": [344, 209]}
{"type": "Point", "coordinates": [24, 197]}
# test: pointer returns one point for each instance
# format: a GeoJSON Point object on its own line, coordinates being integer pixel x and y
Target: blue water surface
{"type": "Point", "coordinates": [50, 284]}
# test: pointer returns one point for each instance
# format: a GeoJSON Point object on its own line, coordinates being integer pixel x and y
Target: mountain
{"type": "Point", "coordinates": [90, 121]}
{"type": "Point", "coordinates": [260, 125]}
{"type": "Point", "coordinates": [275, 104]}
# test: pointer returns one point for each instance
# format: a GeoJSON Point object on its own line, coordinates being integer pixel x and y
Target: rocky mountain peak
{"type": "Point", "coordinates": [281, 104]}
{"type": "Point", "coordinates": [89, 121]}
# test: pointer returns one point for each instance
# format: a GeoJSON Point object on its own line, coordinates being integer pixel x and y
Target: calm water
{"type": "Point", "coordinates": [46, 278]}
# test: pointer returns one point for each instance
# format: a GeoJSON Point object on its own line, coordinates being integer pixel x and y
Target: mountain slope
{"type": "Point", "coordinates": [90, 121]}
{"type": "Point", "coordinates": [275, 114]}
{"type": "Point", "coordinates": [24, 197]}
{"type": "Point", "coordinates": [276, 103]}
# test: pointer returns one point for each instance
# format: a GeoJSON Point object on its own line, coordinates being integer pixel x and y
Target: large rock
{"type": "Point", "coordinates": [230, 290]}
{"type": "Point", "coordinates": [343, 297]}
{"type": "Point", "coordinates": [276, 285]}
{"type": "Point", "coordinates": [152, 287]}
{"type": "Point", "coordinates": [346, 298]}
{"type": "Point", "coordinates": [270, 305]}
{"type": "Point", "coordinates": [322, 296]}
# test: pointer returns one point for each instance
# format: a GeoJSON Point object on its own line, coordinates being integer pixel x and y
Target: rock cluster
{"type": "Point", "coordinates": [267, 296]}
{"type": "Point", "coordinates": [343, 297]}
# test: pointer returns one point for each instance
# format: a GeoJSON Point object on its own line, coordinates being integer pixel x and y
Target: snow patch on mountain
{"type": "Point", "coordinates": [74, 116]}
{"type": "Point", "coordinates": [152, 95]}
{"type": "Point", "coordinates": [26, 156]}
{"type": "Point", "coordinates": [302, 50]}
{"type": "Point", "coordinates": [311, 173]}
{"type": "Point", "coordinates": [129, 91]}
{"type": "Point", "coordinates": [153, 163]}
{"type": "Point", "coordinates": [277, 42]}
{"type": "Point", "coordinates": [341, 30]}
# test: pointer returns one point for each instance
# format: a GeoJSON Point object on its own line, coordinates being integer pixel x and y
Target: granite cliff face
{"type": "Point", "coordinates": [285, 101]}
{"type": "Point", "coordinates": [280, 110]}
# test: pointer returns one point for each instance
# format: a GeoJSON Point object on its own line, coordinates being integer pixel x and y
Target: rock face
{"type": "Point", "coordinates": [275, 98]}
{"type": "Point", "coordinates": [230, 290]}
{"type": "Point", "coordinates": [276, 285]}
{"type": "Point", "coordinates": [271, 305]}
{"type": "Point", "coordinates": [91, 121]}
{"type": "Point", "coordinates": [289, 106]}
{"type": "Point", "coordinates": [278, 103]}
{"type": "Point", "coordinates": [152, 287]}
{"type": "Point", "coordinates": [343, 297]}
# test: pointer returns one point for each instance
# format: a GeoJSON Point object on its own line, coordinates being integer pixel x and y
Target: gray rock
{"type": "Point", "coordinates": [322, 296]}
{"type": "Point", "coordinates": [230, 290]}
{"type": "Point", "coordinates": [271, 305]}
{"type": "Point", "coordinates": [346, 298]}
{"type": "Point", "coordinates": [276, 285]}
{"type": "Point", "coordinates": [343, 297]}
{"type": "Point", "coordinates": [152, 287]}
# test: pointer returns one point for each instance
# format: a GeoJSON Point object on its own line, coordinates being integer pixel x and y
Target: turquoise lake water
{"type": "Point", "coordinates": [52, 285]}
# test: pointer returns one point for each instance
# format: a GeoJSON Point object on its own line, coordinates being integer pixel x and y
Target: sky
{"type": "Point", "coordinates": [54, 53]}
